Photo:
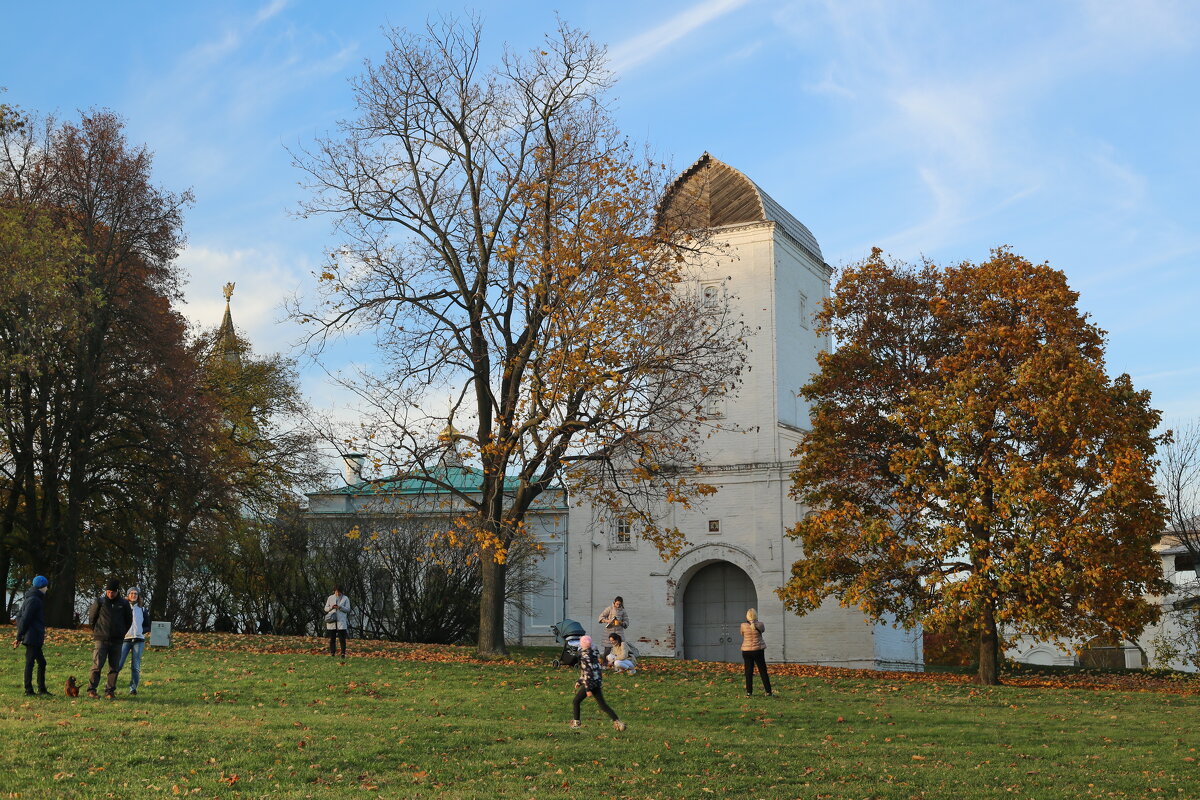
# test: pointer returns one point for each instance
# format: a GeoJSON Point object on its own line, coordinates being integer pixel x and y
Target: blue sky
{"type": "Point", "coordinates": [1068, 130]}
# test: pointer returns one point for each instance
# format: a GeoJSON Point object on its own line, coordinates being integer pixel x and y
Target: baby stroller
{"type": "Point", "coordinates": [568, 632]}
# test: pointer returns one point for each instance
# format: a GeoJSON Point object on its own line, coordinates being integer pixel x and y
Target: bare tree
{"type": "Point", "coordinates": [1178, 639]}
{"type": "Point", "coordinates": [534, 316]}
{"type": "Point", "coordinates": [1179, 482]}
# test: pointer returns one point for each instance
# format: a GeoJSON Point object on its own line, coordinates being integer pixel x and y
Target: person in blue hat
{"type": "Point", "coordinates": [31, 632]}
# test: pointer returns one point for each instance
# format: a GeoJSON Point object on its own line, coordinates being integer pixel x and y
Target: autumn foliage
{"type": "Point", "coordinates": [971, 463]}
{"type": "Point", "coordinates": [531, 311]}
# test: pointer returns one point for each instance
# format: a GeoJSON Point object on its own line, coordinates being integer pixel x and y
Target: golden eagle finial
{"type": "Point", "coordinates": [228, 290]}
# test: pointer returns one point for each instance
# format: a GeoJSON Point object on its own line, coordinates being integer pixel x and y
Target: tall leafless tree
{"type": "Point", "coordinates": [534, 316]}
{"type": "Point", "coordinates": [1179, 483]}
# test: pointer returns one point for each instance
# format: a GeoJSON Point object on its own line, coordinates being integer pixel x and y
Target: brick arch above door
{"type": "Point", "coordinates": [690, 561]}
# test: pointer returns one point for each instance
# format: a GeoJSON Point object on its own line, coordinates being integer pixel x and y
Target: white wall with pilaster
{"type": "Point", "coordinates": [776, 286]}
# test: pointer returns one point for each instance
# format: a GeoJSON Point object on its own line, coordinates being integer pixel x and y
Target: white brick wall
{"type": "Point", "coordinates": [766, 274]}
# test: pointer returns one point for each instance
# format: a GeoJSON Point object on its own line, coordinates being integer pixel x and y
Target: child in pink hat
{"type": "Point", "coordinates": [589, 683]}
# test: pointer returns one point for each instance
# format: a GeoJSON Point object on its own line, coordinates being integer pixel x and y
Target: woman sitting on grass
{"type": "Point", "coordinates": [620, 656]}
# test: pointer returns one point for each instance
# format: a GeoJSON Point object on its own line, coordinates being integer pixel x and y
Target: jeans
{"type": "Point", "coordinates": [33, 654]}
{"type": "Point", "coordinates": [751, 658]}
{"type": "Point", "coordinates": [619, 664]}
{"type": "Point", "coordinates": [336, 636]}
{"type": "Point", "coordinates": [134, 646]}
{"type": "Point", "coordinates": [110, 652]}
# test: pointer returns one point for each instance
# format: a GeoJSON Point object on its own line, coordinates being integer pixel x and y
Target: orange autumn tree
{"type": "Point", "coordinates": [534, 319]}
{"type": "Point", "coordinates": [971, 464]}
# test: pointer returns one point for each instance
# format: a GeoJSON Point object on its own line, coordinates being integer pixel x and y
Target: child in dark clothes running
{"type": "Point", "coordinates": [589, 683]}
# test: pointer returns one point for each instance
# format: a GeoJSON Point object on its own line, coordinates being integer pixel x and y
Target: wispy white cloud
{"type": "Point", "coordinates": [269, 10]}
{"type": "Point", "coordinates": [646, 46]}
{"type": "Point", "coordinates": [230, 39]}
{"type": "Point", "coordinates": [1125, 185]}
{"type": "Point", "coordinates": [829, 84]}
{"type": "Point", "coordinates": [973, 128]}
{"type": "Point", "coordinates": [264, 280]}
{"type": "Point", "coordinates": [1170, 373]}
{"type": "Point", "coordinates": [1148, 26]}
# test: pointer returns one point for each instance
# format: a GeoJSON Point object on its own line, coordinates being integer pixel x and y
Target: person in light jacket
{"type": "Point", "coordinates": [615, 619]}
{"type": "Point", "coordinates": [135, 639]}
{"type": "Point", "coordinates": [621, 655]}
{"type": "Point", "coordinates": [31, 632]}
{"type": "Point", "coordinates": [337, 619]}
{"type": "Point", "coordinates": [754, 652]}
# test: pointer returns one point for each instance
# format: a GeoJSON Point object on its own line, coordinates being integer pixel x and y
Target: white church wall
{"type": "Point", "coordinates": [776, 286]}
{"type": "Point", "coordinates": [545, 605]}
{"type": "Point", "coordinates": [1160, 641]}
{"type": "Point", "coordinates": [746, 271]}
{"type": "Point", "coordinates": [897, 648]}
{"type": "Point", "coordinates": [751, 463]}
{"type": "Point", "coordinates": [801, 287]}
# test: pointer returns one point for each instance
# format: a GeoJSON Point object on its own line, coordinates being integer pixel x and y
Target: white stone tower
{"type": "Point", "coordinates": [772, 272]}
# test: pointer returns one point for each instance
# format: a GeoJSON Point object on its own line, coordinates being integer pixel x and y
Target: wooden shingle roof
{"type": "Point", "coordinates": [715, 194]}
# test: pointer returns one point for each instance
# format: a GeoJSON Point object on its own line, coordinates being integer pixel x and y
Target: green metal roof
{"type": "Point", "coordinates": [461, 479]}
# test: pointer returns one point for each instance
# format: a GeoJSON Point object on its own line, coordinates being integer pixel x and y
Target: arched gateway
{"type": "Point", "coordinates": [714, 604]}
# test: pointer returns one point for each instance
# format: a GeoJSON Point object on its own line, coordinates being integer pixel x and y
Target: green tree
{"type": "Point", "coordinates": [73, 414]}
{"type": "Point", "coordinates": [971, 463]}
{"type": "Point", "coordinates": [40, 320]}
{"type": "Point", "coordinates": [238, 451]}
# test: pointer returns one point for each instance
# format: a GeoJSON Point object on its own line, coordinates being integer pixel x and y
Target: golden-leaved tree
{"type": "Point", "coordinates": [971, 463]}
{"type": "Point", "coordinates": [502, 243]}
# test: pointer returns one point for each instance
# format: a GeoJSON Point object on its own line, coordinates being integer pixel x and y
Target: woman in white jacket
{"type": "Point", "coordinates": [337, 619]}
{"type": "Point", "coordinates": [135, 639]}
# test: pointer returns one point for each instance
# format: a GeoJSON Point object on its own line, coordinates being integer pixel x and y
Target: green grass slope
{"type": "Point", "coordinates": [228, 716]}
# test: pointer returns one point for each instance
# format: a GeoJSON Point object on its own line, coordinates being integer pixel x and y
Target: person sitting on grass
{"type": "Point", "coordinates": [620, 656]}
{"type": "Point", "coordinates": [590, 684]}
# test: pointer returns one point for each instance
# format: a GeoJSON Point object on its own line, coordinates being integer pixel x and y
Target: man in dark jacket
{"type": "Point", "coordinates": [110, 617]}
{"type": "Point", "coordinates": [31, 632]}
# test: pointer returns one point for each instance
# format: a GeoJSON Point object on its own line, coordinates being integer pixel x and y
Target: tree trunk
{"type": "Point", "coordinates": [7, 524]}
{"type": "Point", "coordinates": [166, 552]}
{"type": "Point", "coordinates": [60, 603]}
{"type": "Point", "coordinates": [5, 564]}
{"type": "Point", "coordinates": [491, 607]}
{"type": "Point", "coordinates": [989, 649]}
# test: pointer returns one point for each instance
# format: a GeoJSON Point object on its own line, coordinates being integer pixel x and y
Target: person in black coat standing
{"type": "Point", "coordinates": [31, 632]}
{"type": "Point", "coordinates": [110, 617]}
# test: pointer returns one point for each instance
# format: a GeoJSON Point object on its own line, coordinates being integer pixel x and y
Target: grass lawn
{"type": "Point", "coordinates": [230, 716]}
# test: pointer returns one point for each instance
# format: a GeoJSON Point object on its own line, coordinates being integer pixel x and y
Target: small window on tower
{"type": "Point", "coordinates": [710, 296]}
{"type": "Point", "coordinates": [804, 320]}
{"type": "Point", "coordinates": [714, 408]}
{"type": "Point", "coordinates": [624, 532]}
{"type": "Point", "coordinates": [714, 526]}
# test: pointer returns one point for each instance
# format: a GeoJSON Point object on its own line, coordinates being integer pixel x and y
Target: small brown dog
{"type": "Point", "coordinates": [72, 689]}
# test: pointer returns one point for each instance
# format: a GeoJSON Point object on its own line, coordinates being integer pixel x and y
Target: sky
{"type": "Point", "coordinates": [1069, 131]}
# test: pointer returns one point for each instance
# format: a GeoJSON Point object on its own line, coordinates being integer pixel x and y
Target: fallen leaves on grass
{"type": "Point", "coordinates": [651, 668]}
